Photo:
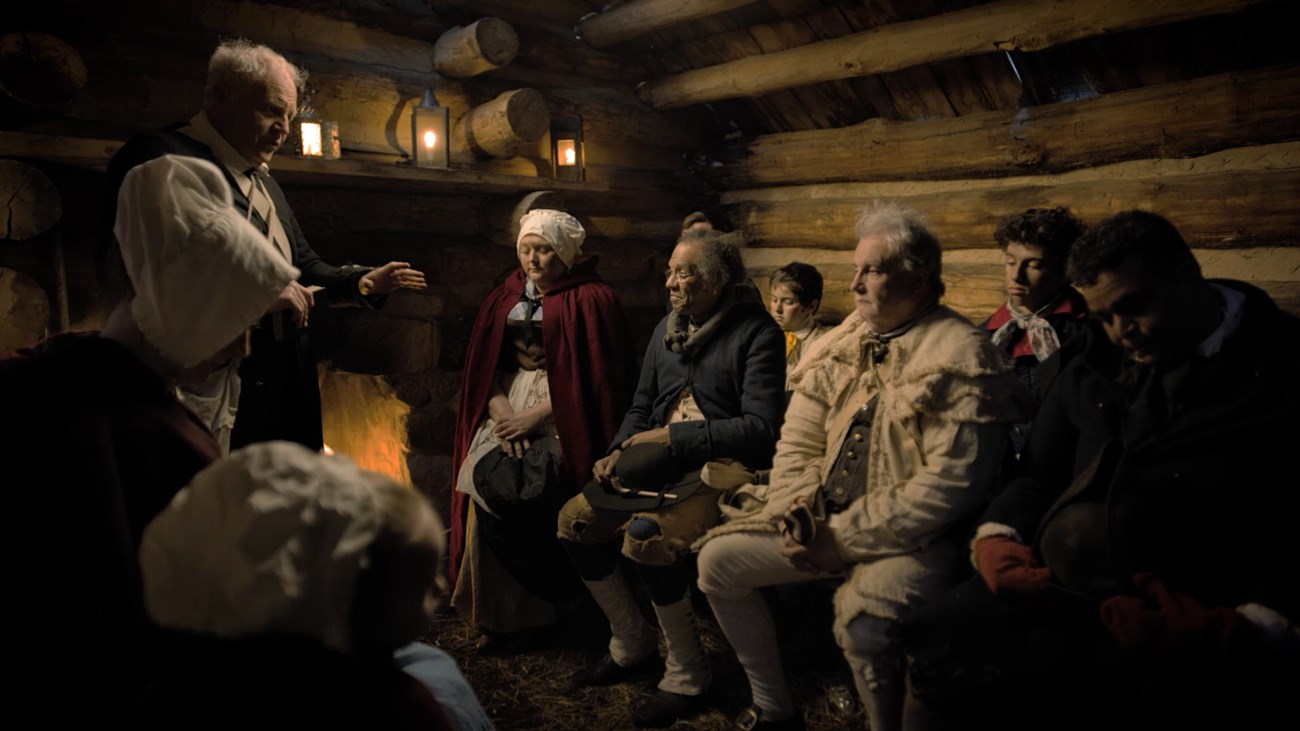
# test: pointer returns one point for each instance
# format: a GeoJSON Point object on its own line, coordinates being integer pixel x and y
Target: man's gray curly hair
{"type": "Point", "coordinates": [240, 62]}
{"type": "Point", "coordinates": [720, 262]}
{"type": "Point", "coordinates": [913, 248]}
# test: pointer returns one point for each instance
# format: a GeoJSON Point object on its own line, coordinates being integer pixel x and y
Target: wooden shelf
{"type": "Point", "coordinates": [95, 154]}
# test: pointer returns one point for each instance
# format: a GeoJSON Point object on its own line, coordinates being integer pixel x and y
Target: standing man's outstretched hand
{"type": "Point", "coordinates": [390, 277]}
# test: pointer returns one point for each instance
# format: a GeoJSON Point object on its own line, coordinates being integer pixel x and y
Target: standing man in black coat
{"type": "Point", "coordinates": [251, 97]}
{"type": "Point", "coordinates": [1141, 568]}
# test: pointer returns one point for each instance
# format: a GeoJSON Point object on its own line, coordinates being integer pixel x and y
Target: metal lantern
{"type": "Point", "coordinates": [567, 159]}
{"type": "Point", "coordinates": [429, 133]}
{"type": "Point", "coordinates": [308, 132]}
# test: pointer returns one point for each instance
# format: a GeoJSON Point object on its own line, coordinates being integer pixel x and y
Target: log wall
{"type": "Point", "coordinates": [1219, 156]}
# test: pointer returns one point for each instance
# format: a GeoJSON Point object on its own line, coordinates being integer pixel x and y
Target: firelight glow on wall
{"type": "Point", "coordinates": [567, 160]}
{"type": "Point", "coordinates": [429, 133]}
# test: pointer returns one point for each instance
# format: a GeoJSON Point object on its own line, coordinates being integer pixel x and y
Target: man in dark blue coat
{"type": "Point", "coordinates": [250, 100]}
{"type": "Point", "coordinates": [712, 388]}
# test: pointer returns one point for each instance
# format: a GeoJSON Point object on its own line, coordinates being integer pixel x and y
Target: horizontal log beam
{"type": "Point", "coordinates": [638, 17]}
{"type": "Point", "coordinates": [1168, 120]}
{"type": "Point", "coordinates": [366, 213]}
{"type": "Point", "coordinates": [292, 31]}
{"type": "Point", "coordinates": [1006, 25]}
{"type": "Point", "coordinates": [622, 227]}
{"type": "Point", "coordinates": [606, 116]}
{"type": "Point", "coordinates": [1248, 264]}
{"type": "Point", "coordinates": [626, 200]}
{"type": "Point", "coordinates": [558, 12]}
{"type": "Point", "coordinates": [974, 277]}
{"type": "Point", "coordinates": [1231, 198]}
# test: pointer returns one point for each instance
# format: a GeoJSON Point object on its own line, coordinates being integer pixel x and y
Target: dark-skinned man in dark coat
{"type": "Point", "coordinates": [1142, 566]}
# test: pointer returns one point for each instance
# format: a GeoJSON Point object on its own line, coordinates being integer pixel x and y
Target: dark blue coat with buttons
{"type": "Point", "coordinates": [737, 377]}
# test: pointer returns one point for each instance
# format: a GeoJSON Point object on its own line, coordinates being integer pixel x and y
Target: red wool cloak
{"type": "Point", "coordinates": [589, 366]}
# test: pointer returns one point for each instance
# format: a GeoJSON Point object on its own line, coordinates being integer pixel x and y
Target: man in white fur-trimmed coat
{"type": "Point", "coordinates": [893, 439]}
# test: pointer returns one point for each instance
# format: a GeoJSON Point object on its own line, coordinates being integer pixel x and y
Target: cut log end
{"type": "Point", "coordinates": [485, 44]}
{"type": "Point", "coordinates": [497, 41]}
{"type": "Point", "coordinates": [39, 70]}
{"type": "Point", "coordinates": [497, 128]}
{"type": "Point", "coordinates": [529, 118]}
{"type": "Point", "coordinates": [32, 202]}
{"type": "Point", "coordinates": [24, 310]}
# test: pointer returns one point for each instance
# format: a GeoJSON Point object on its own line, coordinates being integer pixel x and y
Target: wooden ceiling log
{"type": "Point", "coordinates": [297, 33]}
{"type": "Point", "coordinates": [1170, 120]}
{"type": "Point", "coordinates": [556, 13]}
{"type": "Point", "coordinates": [604, 117]}
{"type": "Point", "coordinates": [1242, 196]}
{"type": "Point", "coordinates": [1025, 25]}
{"type": "Point", "coordinates": [639, 17]}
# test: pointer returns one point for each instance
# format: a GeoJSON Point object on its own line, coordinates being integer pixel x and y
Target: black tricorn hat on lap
{"type": "Point", "coordinates": [647, 476]}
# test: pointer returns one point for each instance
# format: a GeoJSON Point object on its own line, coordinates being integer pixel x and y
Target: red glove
{"type": "Point", "coordinates": [1170, 623]}
{"type": "Point", "coordinates": [1009, 567]}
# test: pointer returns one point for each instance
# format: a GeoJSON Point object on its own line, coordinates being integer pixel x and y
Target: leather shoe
{"type": "Point", "coordinates": [751, 719]}
{"type": "Point", "coordinates": [504, 643]}
{"type": "Point", "coordinates": [607, 672]}
{"type": "Point", "coordinates": [664, 708]}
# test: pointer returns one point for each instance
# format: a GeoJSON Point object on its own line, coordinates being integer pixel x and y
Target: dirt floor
{"type": "Point", "coordinates": [525, 684]}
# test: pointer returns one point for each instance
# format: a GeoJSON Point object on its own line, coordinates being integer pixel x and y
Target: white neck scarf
{"type": "Point", "coordinates": [1043, 340]}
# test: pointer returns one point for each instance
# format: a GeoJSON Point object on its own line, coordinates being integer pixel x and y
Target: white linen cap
{"type": "Point", "coordinates": [559, 229]}
{"type": "Point", "coordinates": [273, 538]}
{"type": "Point", "coordinates": [201, 273]}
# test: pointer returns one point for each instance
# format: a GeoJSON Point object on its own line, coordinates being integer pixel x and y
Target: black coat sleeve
{"type": "Point", "coordinates": [340, 283]}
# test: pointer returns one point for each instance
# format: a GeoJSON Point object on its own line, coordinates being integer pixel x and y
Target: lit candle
{"type": "Point", "coordinates": [568, 154]}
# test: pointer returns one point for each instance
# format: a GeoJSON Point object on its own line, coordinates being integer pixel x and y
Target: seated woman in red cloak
{"type": "Point", "coordinates": [548, 377]}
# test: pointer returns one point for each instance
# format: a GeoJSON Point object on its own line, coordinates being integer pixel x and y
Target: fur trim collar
{"type": "Point", "coordinates": [948, 369]}
{"type": "Point", "coordinates": [677, 335]}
